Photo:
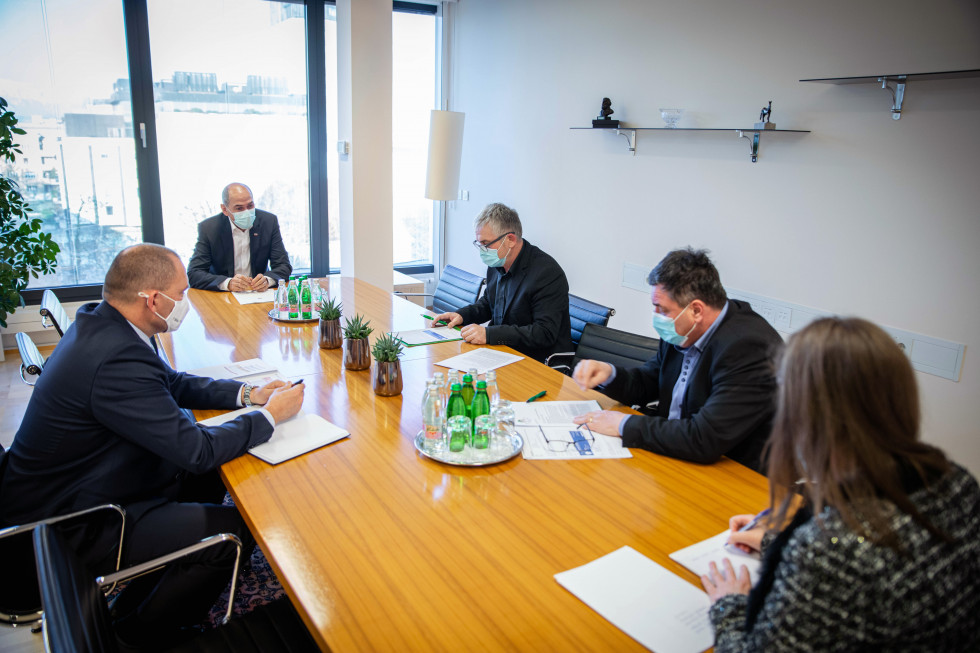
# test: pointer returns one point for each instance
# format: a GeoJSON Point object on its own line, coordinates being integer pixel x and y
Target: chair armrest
{"type": "Point", "coordinates": [22, 528]}
{"type": "Point", "coordinates": [164, 560]}
{"type": "Point", "coordinates": [560, 354]}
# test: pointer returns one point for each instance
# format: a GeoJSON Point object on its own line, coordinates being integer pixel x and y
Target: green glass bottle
{"type": "Point", "coordinates": [480, 406]}
{"type": "Point", "coordinates": [456, 406]}
{"type": "Point", "coordinates": [306, 299]}
{"type": "Point", "coordinates": [468, 392]}
{"type": "Point", "coordinates": [292, 294]}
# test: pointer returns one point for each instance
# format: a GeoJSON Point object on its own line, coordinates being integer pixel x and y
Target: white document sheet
{"type": "Point", "coordinates": [295, 436]}
{"type": "Point", "coordinates": [254, 371]}
{"type": "Point", "coordinates": [543, 411]}
{"type": "Point", "coordinates": [251, 297]}
{"type": "Point", "coordinates": [482, 359]}
{"type": "Point", "coordinates": [428, 336]}
{"type": "Point", "coordinates": [698, 557]}
{"type": "Point", "coordinates": [653, 606]}
{"type": "Point", "coordinates": [585, 444]}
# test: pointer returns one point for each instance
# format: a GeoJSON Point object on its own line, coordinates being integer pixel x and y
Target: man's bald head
{"type": "Point", "coordinates": [141, 267]}
{"type": "Point", "coordinates": [234, 193]}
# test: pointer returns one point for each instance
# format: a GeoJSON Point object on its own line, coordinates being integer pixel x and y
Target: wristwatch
{"type": "Point", "coordinates": [247, 395]}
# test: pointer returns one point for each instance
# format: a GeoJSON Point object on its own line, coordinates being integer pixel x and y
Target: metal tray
{"type": "Point", "coordinates": [470, 457]}
{"type": "Point", "coordinates": [297, 320]}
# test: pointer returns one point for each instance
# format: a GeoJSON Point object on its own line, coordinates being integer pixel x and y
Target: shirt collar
{"type": "Point", "coordinates": [145, 338]}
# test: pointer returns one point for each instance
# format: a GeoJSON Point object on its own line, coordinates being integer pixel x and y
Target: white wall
{"type": "Point", "coordinates": [864, 216]}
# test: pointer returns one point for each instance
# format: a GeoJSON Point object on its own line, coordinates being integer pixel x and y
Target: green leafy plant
{"type": "Point", "coordinates": [331, 309]}
{"type": "Point", "coordinates": [387, 348]}
{"type": "Point", "coordinates": [357, 329]}
{"type": "Point", "coordinates": [25, 250]}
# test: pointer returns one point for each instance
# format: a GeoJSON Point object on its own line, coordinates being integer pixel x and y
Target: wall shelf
{"type": "Point", "coordinates": [898, 91]}
{"type": "Point", "coordinates": [630, 134]}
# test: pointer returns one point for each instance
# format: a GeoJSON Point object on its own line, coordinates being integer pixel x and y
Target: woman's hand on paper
{"type": "Point", "coordinates": [722, 582]}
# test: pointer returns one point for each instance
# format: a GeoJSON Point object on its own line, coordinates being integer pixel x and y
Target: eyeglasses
{"type": "Point", "coordinates": [581, 442]}
{"type": "Point", "coordinates": [486, 247]}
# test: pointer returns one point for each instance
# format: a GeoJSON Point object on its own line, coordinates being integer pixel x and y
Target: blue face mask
{"type": "Point", "coordinates": [666, 328]}
{"type": "Point", "coordinates": [244, 219]}
{"type": "Point", "coordinates": [491, 258]}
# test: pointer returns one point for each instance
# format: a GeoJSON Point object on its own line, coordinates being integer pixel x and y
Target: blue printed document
{"type": "Point", "coordinates": [428, 336]}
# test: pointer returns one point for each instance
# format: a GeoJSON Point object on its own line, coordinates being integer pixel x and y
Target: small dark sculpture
{"type": "Point", "coordinates": [603, 119]}
{"type": "Point", "coordinates": [606, 110]}
{"type": "Point", "coordinates": [766, 114]}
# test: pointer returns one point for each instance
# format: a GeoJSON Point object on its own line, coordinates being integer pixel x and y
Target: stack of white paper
{"type": "Point", "coordinates": [644, 600]}
{"type": "Point", "coordinates": [482, 359]}
{"type": "Point", "coordinates": [253, 297]}
{"type": "Point", "coordinates": [698, 557]}
{"type": "Point", "coordinates": [253, 371]}
{"type": "Point", "coordinates": [291, 438]}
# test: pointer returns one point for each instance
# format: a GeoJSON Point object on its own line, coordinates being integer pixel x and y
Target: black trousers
{"type": "Point", "coordinates": [155, 605]}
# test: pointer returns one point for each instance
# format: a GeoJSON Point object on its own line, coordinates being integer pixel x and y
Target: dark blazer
{"type": "Point", "coordinates": [105, 425]}
{"type": "Point", "coordinates": [527, 306]}
{"type": "Point", "coordinates": [730, 398]}
{"type": "Point", "coordinates": [214, 254]}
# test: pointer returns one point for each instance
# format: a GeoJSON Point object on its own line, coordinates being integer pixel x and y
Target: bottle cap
{"type": "Point", "coordinates": [481, 385]}
{"type": "Point", "coordinates": [455, 387]}
{"type": "Point", "coordinates": [467, 379]}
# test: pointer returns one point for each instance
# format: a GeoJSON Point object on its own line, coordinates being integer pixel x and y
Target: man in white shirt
{"type": "Point", "coordinates": [240, 249]}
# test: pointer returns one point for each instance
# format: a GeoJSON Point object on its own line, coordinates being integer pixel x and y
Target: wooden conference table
{"type": "Point", "coordinates": [381, 549]}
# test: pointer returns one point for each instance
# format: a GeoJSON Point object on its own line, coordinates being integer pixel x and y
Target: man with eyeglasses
{"type": "Point", "coordinates": [526, 299]}
{"type": "Point", "coordinates": [713, 373]}
{"type": "Point", "coordinates": [240, 249]}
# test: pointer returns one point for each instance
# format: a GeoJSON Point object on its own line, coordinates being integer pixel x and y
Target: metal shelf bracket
{"type": "Point", "coordinates": [630, 135]}
{"type": "Point", "coordinates": [898, 93]}
{"type": "Point", "coordinates": [753, 145]}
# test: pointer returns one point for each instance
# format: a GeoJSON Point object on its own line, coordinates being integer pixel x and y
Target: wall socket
{"type": "Point", "coordinates": [927, 354]}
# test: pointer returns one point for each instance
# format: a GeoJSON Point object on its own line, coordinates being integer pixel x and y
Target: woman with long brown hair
{"type": "Point", "coordinates": [873, 537]}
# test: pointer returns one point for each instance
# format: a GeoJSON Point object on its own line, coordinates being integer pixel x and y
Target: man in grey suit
{"type": "Point", "coordinates": [239, 249]}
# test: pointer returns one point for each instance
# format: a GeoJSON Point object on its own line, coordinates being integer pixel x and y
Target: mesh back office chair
{"type": "Point", "coordinates": [613, 346]}
{"type": "Point", "coordinates": [31, 361]}
{"type": "Point", "coordinates": [20, 598]}
{"type": "Point", "coordinates": [53, 313]}
{"type": "Point", "coordinates": [456, 289]}
{"type": "Point", "coordinates": [76, 617]}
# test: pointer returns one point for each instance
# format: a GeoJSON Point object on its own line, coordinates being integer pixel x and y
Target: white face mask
{"type": "Point", "coordinates": [177, 314]}
{"type": "Point", "coordinates": [244, 219]}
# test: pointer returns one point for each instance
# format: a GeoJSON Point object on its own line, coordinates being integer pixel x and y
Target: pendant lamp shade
{"type": "Point", "coordinates": [445, 152]}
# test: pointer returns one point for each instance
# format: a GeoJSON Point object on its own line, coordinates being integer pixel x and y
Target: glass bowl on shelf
{"type": "Point", "coordinates": [671, 116]}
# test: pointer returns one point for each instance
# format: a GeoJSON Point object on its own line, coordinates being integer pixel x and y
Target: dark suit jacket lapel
{"type": "Point", "coordinates": [253, 245]}
{"type": "Point", "coordinates": [226, 246]}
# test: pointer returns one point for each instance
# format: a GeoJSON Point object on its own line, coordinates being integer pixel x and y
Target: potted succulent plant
{"type": "Point", "coordinates": [331, 336]}
{"type": "Point", "coordinates": [357, 348]}
{"type": "Point", "coordinates": [388, 376]}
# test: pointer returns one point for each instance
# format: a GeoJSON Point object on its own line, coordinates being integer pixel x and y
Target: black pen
{"type": "Point", "coordinates": [297, 382]}
{"type": "Point", "coordinates": [537, 396]}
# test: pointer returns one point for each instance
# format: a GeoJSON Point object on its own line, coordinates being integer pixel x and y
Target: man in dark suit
{"type": "Point", "coordinates": [239, 249]}
{"type": "Point", "coordinates": [105, 425]}
{"type": "Point", "coordinates": [713, 373]}
{"type": "Point", "coordinates": [526, 300]}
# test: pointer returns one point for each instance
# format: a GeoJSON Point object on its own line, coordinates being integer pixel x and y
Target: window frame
{"type": "Point", "coordinates": [136, 22]}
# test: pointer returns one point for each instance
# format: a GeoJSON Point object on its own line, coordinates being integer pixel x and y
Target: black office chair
{"type": "Point", "coordinates": [20, 598]}
{"type": "Point", "coordinates": [31, 361]}
{"type": "Point", "coordinates": [456, 289]}
{"type": "Point", "coordinates": [613, 346]}
{"type": "Point", "coordinates": [76, 617]}
{"type": "Point", "coordinates": [582, 312]}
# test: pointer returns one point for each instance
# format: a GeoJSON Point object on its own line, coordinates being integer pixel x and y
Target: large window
{"type": "Point", "coordinates": [229, 90]}
{"type": "Point", "coordinates": [413, 96]}
{"type": "Point", "coordinates": [61, 63]}
{"type": "Point", "coordinates": [138, 112]}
